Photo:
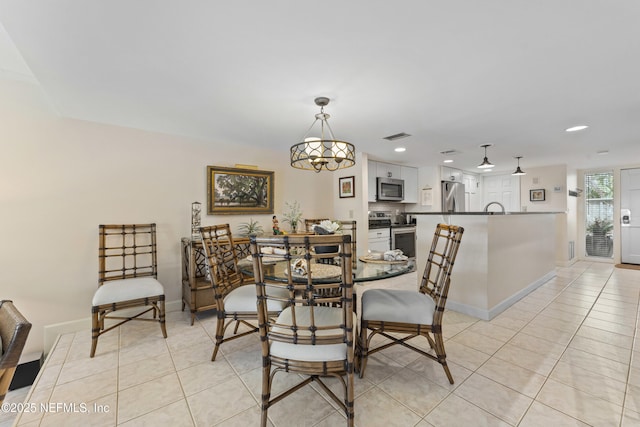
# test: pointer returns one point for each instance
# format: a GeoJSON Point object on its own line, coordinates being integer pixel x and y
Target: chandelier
{"type": "Point", "coordinates": [315, 153]}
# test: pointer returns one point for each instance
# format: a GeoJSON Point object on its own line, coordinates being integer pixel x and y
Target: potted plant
{"type": "Point", "coordinates": [251, 228]}
{"type": "Point", "coordinates": [293, 215]}
{"type": "Point", "coordinates": [599, 241]}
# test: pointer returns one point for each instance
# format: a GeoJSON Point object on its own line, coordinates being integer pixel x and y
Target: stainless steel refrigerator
{"type": "Point", "coordinates": [452, 196]}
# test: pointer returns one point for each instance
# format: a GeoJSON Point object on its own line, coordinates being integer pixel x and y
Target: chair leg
{"type": "Point", "coordinates": [442, 356]}
{"type": "Point", "coordinates": [161, 318]}
{"type": "Point", "coordinates": [95, 330]}
{"type": "Point", "coordinates": [219, 336]}
{"type": "Point", "coordinates": [363, 348]}
{"type": "Point", "coordinates": [266, 393]}
{"type": "Point", "coordinates": [349, 400]}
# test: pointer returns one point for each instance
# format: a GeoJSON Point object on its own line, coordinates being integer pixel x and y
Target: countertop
{"type": "Point", "coordinates": [484, 213]}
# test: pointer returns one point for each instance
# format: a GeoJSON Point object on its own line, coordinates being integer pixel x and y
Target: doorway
{"type": "Point", "coordinates": [629, 211]}
{"type": "Point", "coordinates": [599, 214]}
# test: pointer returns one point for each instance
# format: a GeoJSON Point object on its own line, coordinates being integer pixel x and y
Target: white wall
{"type": "Point", "coordinates": [61, 178]}
{"type": "Point", "coordinates": [548, 178]}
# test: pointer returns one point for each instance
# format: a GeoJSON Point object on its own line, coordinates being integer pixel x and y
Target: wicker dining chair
{"type": "Point", "coordinates": [400, 315]}
{"type": "Point", "coordinates": [127, 278]}
{"type": "Point", "coordinates": [235, 294]}
{"type": "Point", "coordinates": [14, 330]}
{"type": "Point", "coordinates": [313, 336]}
{"type": "Point", "coordinates": [347, 227]}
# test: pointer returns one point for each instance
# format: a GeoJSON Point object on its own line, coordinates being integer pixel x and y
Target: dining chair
{"type": "Point", "coordinates": [346, 227]}
{"type": "Point", "coordinates": [400, 315]}
{"type": "Point", "coordinates": [234, 293]}
{"type": "Point", "coordinates": [14, 330]}
{"type": "Point", "coordinates": [313, 335]}
{"type": "Point", "coordinates": [127, 278]}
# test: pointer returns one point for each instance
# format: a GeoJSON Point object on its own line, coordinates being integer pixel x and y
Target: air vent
{"type": "Point", "coordinates": [449, 152]}
{"type": "Point", "coordinates": [396, 136]}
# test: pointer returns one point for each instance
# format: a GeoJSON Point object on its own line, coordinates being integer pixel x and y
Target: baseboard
{"type": "Point", "coordinates": [51, 332]}
{"type": "Point", "coordinates": [499, 308]}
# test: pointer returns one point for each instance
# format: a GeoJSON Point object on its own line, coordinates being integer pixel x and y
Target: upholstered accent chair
{"type": "Point", "coordinates": [313, 335]}
{"type": "Point", "coordinates": [14, 330]}
{"type": "Point", "coordinates": [401, 315]}
{"type": "Point", "coordinates": [127, 278]}
{"type": "Point", "coordinates": [234, 293]}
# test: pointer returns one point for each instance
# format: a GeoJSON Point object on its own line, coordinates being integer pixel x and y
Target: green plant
{"type": "Point", "coordinates": [293, 215]}
{"type": "Point", "coordinates": [600, 227]}
{"type": "Point", "coordinates": [251, 228]}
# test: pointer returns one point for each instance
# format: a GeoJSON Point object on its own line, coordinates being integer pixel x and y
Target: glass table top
{"type": "Point", "coordinates": [364, 272]}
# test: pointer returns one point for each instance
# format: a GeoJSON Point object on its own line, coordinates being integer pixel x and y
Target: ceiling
{"type": "Point", "coordinates": [452, 74]}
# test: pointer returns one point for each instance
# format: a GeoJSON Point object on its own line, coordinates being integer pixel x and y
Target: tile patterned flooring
{"type": "Point", "coordinates": [565, 355]}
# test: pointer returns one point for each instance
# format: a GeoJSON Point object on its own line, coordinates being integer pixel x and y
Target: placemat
{"type": "Point", "coordinates": [320, 271]}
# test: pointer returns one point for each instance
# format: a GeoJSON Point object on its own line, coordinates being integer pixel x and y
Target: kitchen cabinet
{"type": "Point", "coordinates": [371, 180]}
{"type": "Point", "coordinates": [451, 174]}
{"type": "Point", "coordinates": [387, 170]}
{"type": "Point", "coordinates": [470, 183]}
{"type": "Point", "coordinates": [410, 177]}
{"type": "Point", "coordinates": [379, 240]}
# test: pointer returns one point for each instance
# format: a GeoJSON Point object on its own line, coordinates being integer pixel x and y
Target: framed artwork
{"type": "Point", "coordinates": [239, 191]}
{"type": "Point", "coordinates": [346, 187]}
{"type": "Point", "coordinates": [536, 195]}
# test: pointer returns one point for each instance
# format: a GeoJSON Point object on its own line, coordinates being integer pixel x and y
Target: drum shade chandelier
{"type": "Point", "coordinates": [324, 152]}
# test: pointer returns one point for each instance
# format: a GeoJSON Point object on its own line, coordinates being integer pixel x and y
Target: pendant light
{"type": "Point", "coordinates": [324, 152]}
{"type": "Point", "coordinates": [518, 171]}
{"type": "Point", "coordinates": [486, 164]}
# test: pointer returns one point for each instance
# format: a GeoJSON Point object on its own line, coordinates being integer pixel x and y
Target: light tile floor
{"type": "Point", "coordinates": [565, 355]}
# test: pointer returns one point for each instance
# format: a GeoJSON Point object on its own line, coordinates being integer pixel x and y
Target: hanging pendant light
{"type": "Point", "coordinates": [518, 171]}
{"type": "Point", "coordinates": [486, 164]}
{"type": "Point", "coordinates": [317, 153]}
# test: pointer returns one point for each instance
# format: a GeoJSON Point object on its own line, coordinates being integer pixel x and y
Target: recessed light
{"type": "Point", "coordinates": [576, 128]}
{"type": "Point", "coordinates": [448, 161]}
{"type": "Point", "coordinates": [400, 149]}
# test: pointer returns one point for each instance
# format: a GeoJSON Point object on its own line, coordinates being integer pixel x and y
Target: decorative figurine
{"type": "Point", "coordinates": [276, 227]}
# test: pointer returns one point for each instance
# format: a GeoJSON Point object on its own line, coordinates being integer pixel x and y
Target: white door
{"type": "Point", "coordinates": [630, 212]}
{"type": "Point", "coordinates": [504, 189]}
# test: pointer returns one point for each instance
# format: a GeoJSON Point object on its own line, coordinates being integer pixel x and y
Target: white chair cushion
{"type": "Point", "coordinates": [126, 290]}
{"type": "Point", "coordinates": [244, 299]}
{"type": "Point", "coordinates": [394, 305]}
{"type": "Point", "coordinates": [324, 316]}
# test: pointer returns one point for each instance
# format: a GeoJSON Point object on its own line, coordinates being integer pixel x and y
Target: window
{"type": "Point", "coordinates": [599, 214]}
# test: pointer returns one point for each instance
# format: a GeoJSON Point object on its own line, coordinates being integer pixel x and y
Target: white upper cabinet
{"type": "Point", "coordinates": [410, 177]}
{"type": "Point", "coordinates": [371, 180]}
{"type": "Point", "coordinates": [387, 170]}
{"type": "Point", "coordinates": [470, 183]}
{"type": "Point", "coordinates": [451, 174]}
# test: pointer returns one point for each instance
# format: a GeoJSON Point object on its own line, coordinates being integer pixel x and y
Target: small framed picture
{"type": "Point", "coordinates": [346, 187]}
{"type": "Point", "coordinates": [536, 195]}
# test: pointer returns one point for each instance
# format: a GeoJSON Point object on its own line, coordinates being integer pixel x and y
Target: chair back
{"type": "Point", "coordinates": [222, 261]}
{"type": "Point", "coordinates": [14, 330]}
{"type": "Point", "coordinates": [319, 305]}
{"type": "Point", "coordinates": [127, 251]}
{"type": "Point", "coordinates": [437, 273]}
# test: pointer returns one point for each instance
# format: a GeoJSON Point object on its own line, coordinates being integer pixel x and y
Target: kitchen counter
{"type": "Point", "coordinates": [501, 257]}
{"type": "Point", "coordinates": [483, 213]}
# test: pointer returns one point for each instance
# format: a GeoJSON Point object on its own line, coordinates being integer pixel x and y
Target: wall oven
{"type": "Point", "coordinates": [404, 238]}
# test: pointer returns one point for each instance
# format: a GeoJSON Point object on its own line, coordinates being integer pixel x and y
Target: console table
{"type": "Point", "coordinates": [197, 291]}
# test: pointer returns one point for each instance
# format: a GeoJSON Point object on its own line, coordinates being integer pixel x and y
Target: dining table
{"type": "Point", "coordinates": [363, 272]}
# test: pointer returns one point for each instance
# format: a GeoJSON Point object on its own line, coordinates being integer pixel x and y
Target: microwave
{"type": "Point", "coordinates": [390, 189]}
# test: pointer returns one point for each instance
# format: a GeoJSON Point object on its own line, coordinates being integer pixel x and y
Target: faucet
{"type": "Point", "coordinates": [486, 208]}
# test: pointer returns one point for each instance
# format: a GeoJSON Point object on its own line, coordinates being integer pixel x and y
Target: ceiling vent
{"type": "Point", "coordinates": [396, 136]}
{"type": "Point", "coordinates": [449, 152]}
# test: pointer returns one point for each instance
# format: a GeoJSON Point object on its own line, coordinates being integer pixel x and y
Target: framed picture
{"type": "Point", "coordinates": [536, 195]}
{"type": "Point", "coordinates": [239, 191]}
{"type": "Point", "coordinates": [346, 187]}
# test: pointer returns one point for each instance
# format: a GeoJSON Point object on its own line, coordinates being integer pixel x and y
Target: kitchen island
{"type": "Point", "coordinates": [502, 257]}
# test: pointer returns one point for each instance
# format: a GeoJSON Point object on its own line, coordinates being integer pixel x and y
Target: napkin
{"type": "Point", "coordinates": [395, 255]}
